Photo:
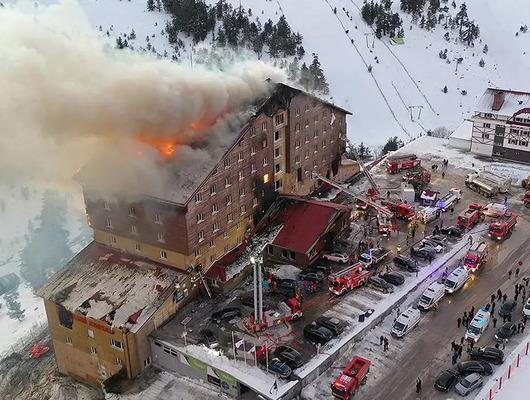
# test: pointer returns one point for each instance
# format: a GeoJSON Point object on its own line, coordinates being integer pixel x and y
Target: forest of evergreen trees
{"type": "Point", "coordinates": [381, 16]}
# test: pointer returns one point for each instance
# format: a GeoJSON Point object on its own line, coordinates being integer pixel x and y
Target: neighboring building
{"type": "Point", "coordinates": [461, 136]}
{"type": "Point", "coordinates": [207, 215]}
{"type": "Point", "coordinates": [501, 125]}
{"type": "Point", "coordinates": [102, 306]}
{"type": "Point", "coordinates": [308, 226]}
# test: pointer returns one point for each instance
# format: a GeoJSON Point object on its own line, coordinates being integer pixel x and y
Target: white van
{"type": "Point", "coordinates": [478, 325]}
{"type": "Point", "coordinates": [428, 214]}
{"type": "Point", "coordinates": [494, 210]}
{"type": "Point", "coordinates": [431, 296]}
{"type": "Point", "coordinates": [456, 279]}
{"type": "Point", "coordinates": [405, 322]}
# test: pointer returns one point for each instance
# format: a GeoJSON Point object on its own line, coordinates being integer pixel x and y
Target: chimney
{"type": "Point", "coordinates": [498, 100]}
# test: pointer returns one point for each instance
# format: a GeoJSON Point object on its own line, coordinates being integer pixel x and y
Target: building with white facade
{"type": "Point", "coordinates": [501, 125]}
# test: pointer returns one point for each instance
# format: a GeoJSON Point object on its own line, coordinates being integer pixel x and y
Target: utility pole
{"type": "Point", "coordinates": [373, 39]}
{"type": "Point", "coordinates": [411, 113]}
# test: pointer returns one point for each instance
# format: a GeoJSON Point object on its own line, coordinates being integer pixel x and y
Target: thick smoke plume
{"type": "Point", "coordinates": [67, 97]}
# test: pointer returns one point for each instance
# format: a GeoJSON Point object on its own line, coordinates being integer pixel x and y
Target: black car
{"type": "Point", "coordinates": [286, 285]}
{"type": "Point", "coordinates": [406, 263]}
{"type": "Point", "coordinates": [317, 333]}
{"type": "Point", "coordinates": [394, 278]}
{"type": "Point", "coordinates": [424, 253]}
{"type": "Point", "coordinates": [225, 314]}
{"type": "Point", "coordinates": [470, 367]}
{"type": "Point", "coordinates": [289, 356]}
{"type": "Point", "coordinates": [442, 241]}
{"type": "Point", "coordinates": [490, 354]}
{"type": "Point", "coordinates": [335, 325]}
{"type": "Point", "coordinates": [325, 269]}
{"type": "Point", "coordinates": [380, 284]}
{"type": "Point", "coordinates": [506, 308]}
{"type": "Point", "coordinates": [452, 231]}
{"type": "Point", "coordinates": [278, 368]}
{"type": "Point", "coordinates": [208, 338]}
{"type": "Point", "coordinates": [506, 332]}
{"type": "Point", "coordinates": [312, 276]}
{"type": "Point", "coordinates": [446, 380]}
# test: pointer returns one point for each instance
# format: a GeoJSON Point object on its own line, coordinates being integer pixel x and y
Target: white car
{"type": "Point", "coordinates": [432, 244]}
{"type": "Point", "coordinates": [336, 257]}
{"type": "Point", "coordinates": [494, 210]}
{"type": "Point", "coordinates": [526, 308]}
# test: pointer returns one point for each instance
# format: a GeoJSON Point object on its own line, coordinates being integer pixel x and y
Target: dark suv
{"type": "Point", "coordinates": [491, 354]}
{"type": "Point", "coordinates": [446, 380]}
{"type": "Point", "coordinates": [335, 325]}
{"type": "Point", "coordinates": [317, 333]}
{"type": "Point", "coordinates": [380, 284]}
{"type": "Point", "coordinates": [406, 263]}
{"type": "Point", "coordinates": [289, 356]}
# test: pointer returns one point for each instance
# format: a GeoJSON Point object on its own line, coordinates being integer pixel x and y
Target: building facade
{"type": "Point", "coordinates": [291, 136]}
{"type": "Point", "coordinates": [501, 125]}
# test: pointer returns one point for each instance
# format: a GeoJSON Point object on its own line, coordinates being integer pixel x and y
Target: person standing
{"type": "Point", "coordinates": [504, 297]}
{"type": "Point", "coordinates": [517, 270]}
{"type": "Point", "coordinates": [458, 321]}
{"type": "Point", "coordinates": [492, 308]}
{"type": "Point", "coordinates": [499, 294]}
{"type": "Point", "coordinates": [472, 311]}
{"type": "Point", "coordinates": [505, 199]}
{"type": "Point", "coordinates": [418, 385]}
{"type": "Point", "coordinates": [510, 274]}
{"type": "Point", "coordinates": [460, 351]}
{"type": "Point", "coordinates": [381, 340]}
{"type": "Point", "coordinates": [494, 322]}
{"type": "Point", "coordinates": [385, 345]}
{"type": "Point", "coordinates": [492, 298]}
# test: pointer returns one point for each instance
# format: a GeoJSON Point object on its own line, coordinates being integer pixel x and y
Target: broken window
{"type": "Point", "coordinates": [66, 318]}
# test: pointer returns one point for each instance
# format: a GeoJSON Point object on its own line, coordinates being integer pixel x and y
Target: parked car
{"type": "Point", "coordinates": [225, 314]}
{"type": "Point", "coordinates": [406, 263]}
{"type": "Point", "coordinates": [289, 356]}
{"type": "Point", "coordinates": [506, 308]}
{"type": "Point", "coordinates": [490, 354]}
{"type": "Point", "coordinates": [325, 269]}
{"type": "Point", "coordinates": [431, 243]}
{"type": "Point", "coordinates": [470, 367]}
{"type": "Point", "coordinates": [311, 276]}
{"type": "Point", "coordinates": [317, 333]}
{"type": "Point", "coordinates": [441, 240]}
{"type": "Point", "coordinates": [526, 308]}
{"type": "Point", "coordinates": [394, 278]}
{"type": "Point", "coordinates": [468, 384]}
{"type": "Point", "coordinates": [335, 325]}
{"type": "Point", "coordinates": [506, 332]}
{"type": "Point", "coordinates": [278, 368]}
{"type": "Point", "coordinates": [380, 284]}
{"type": "Point", "coordinates": [422, 252]}
{"type": "Point", "coordinates": [286, 285]}
{"type": "Point", "coordinates": [452, 231]}
{"type": "Point", "coordinates": [336, 257]}
{"type": "Point", "coordinates": [446, 380]}
{"type": "Point", "coordinates": [208, 338]}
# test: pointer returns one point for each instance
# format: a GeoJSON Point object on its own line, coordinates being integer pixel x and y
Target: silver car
{"type": "Point", "coordinates": [468, 384]}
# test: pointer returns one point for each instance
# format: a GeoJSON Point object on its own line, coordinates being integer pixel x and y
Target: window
{"type": "Point", "coordinates": [253, 168]}
{"type": "Point", "coordinates": [213, 190]}
{"type": "Point", "coordinates": [297, 143]}
{"type": "Point", "coordinates": [90, 333]}
{"type": "Point", "coordinates": [227, 162]}
{"type": "Point", "coordinates": [137, 247]}
{"type": "Point", "coordinates": [279, 119]}
{"type": "Point", "coordinates": [306, 154]}
{"type": "Point", "coordinates": [108, 222]}
{"type": "Point", "coordinates": [112, 239]}
{"type": "Point", "coordinates": [297, 127]}
{"type": "Point", "coordinates": [199, 217]}
{"type": "Point", "coordinates": [228, 200]}
{"type": "Point", "coordinates": [270, 250]}
{"type": "Point", "coordinates": [278, 184]}
{"type": "Point", "coordinates": [160, 237]}
{"type": "Point", "coordinates": [116, 344]}
{"type": "Point", "coordinates": [486, 115]}
{"type": "Point", "coordinates": [297, 111]}
{"type": "Point", "coordinates": [277, 168]}
{"type": "Point", "coordinates": [307, 138]}
{"type": "Point", "coordinates": [106, 205]}
{"type": "Point", "coordinates": [132, 212]}
{"type": "Point", "coordinates": [266, 178]}
{"type": "Point", "coordinates": [134, 230]}
{"type": "Point", "coordinates": [264, 125]}
{"type": "Point", "coordinates": [225, 235]}
{"type": "Point", "coordinates": [240, 156]}
{"type": "Point", "coordinates": [229, 217]}
{"type": "Point", "coordinates": [200, 236]}
{"type": "Point", "coordinates": [212, 243]}
{"type": "Point", "coordinates": [254, 202]}
{"type": "Point", "coordinates": [487, 125]}
{"type": "Point", "coordinates": [158, 219]}
{"type": "Point", "coordinates": [119, 362]}
{"type": "Point", "coordinates": [316, 118]}
{"type": "Point", "coordinates": [197, 253]}
{"type": "Point", "coordinates": [163, 254]}
{"type": "Point", "coordinates": [242, 192]}
{"type": "Point", "coordinates": [228, 181]}
{"type": "Point", "coordinates": [252, 150]}
{"type": "Point", "coordinates": [264, 143]}
{"type": "Point", "coordinates": [485, 136]}
{"type": "Point", "coordinates": [315, 148]}
{"type": "Point", "coordinates": [215, 227]}
{"type": "Point", "coordinates": [68, 340]}
{"type": "Point", "coordinates": [198, 197]}
{"type": "Point", "coordinates": [241, 175]}
{"type": "Point", "coordinates": [215, 208]}
{"type": "Point", "coordinates": [93, 350]}
{"type": "Point", "coordinates": [297, 159]}
{"type": "Point", "coordinates": [265, 161]}
{"type": "Point", "coordinates": [315, 164]}
{"type": "Point", "coordinates": [276, 152]}
{"type": "Point", "coordinates": [147, 362]}
{"type": "Point", "coordinates": [277, 136]}
{"type": "Point", "coordinates": [252, 131]}
{"type": "Point", "coordinates": [306, 108]}
{"type": "Point", "coordinates": [243, 209]}
{"type": "Point", "coordinates": [324, 144]}
{"type": "Point", "coordinates": [306, 123]}
{"type": "Point", "coordinates": [315, 134]}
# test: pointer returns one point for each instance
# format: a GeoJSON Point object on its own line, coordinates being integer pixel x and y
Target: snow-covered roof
{"type": "Point", "coordinates": [463, 131]}
{"type": "Point", "coordinates": [513, 101]}
{"type": "Point", "coordinates": [107, 285]}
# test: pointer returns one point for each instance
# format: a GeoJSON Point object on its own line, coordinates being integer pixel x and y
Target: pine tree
{"type": "Point", "coordinates": [481, 63]}
{"type": "Point", "coordinates": [305, 77]}
{"type": "Point", "coordinates": [293, 70]}
{"type": "Point", "coordinates": [119, 43]}
{"type": "Point", "coordinates": [132, 35]}
{"type": "Point", "coordinates": [158, 5]}
{"type": "Point", "coordinates": [221, 38]}
{"type": "Point", "coordinates": [14, 310]}
{"type": "Point", "coordinates": [392, 144]}
{"type": "Point", "coordinates": [461, 17]}
{"type": "Point", "coordinates": [150, 5]}
{"type": "Point", "coordinates": [485, 49]}
{"type": "Point", "coordinates": [320, 83]}
{"type": "Point", "coordinates": [444, 89]}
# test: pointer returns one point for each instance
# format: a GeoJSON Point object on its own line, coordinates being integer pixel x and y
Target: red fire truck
{"type": "Point", "coordinates": [476, 256]}
{"type": "Point", "coordinates": [288, 310]}
{"type": "Point", "coordinates": [348, 279]}
{"type": "Point", "coordinates": [421, 177]}
{"type": "Point", "coordinates": [502, 228]}
{"type": "Point", "coordinates": [352, 376]}
{"type": "Point", "coordinates": [396, 164]}
{"type": "Point", "coordinates": [401, 210]}
{"type": "Point", "coordinates": [469, 218]}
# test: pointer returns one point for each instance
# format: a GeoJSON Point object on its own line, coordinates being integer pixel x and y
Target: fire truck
{"type": "Point", "coordinates": [469, 218]}
{"type": "Point", "coordinates": [398, 163]}
{"type": "Point", "coordinates": [476, 256]}
{"type": "Point", "coordinates": [503, 227]}
{"type": "Point", "coordinates": [401, 210]}
{"type": "Point", "coordinates": [348, 279]}
{"type": "Point", "coordinates": [352, 376]}
{"type": "Point", "coordinates": [288, 310]}
{"type": "Point", "coordinates": [421, 177]}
